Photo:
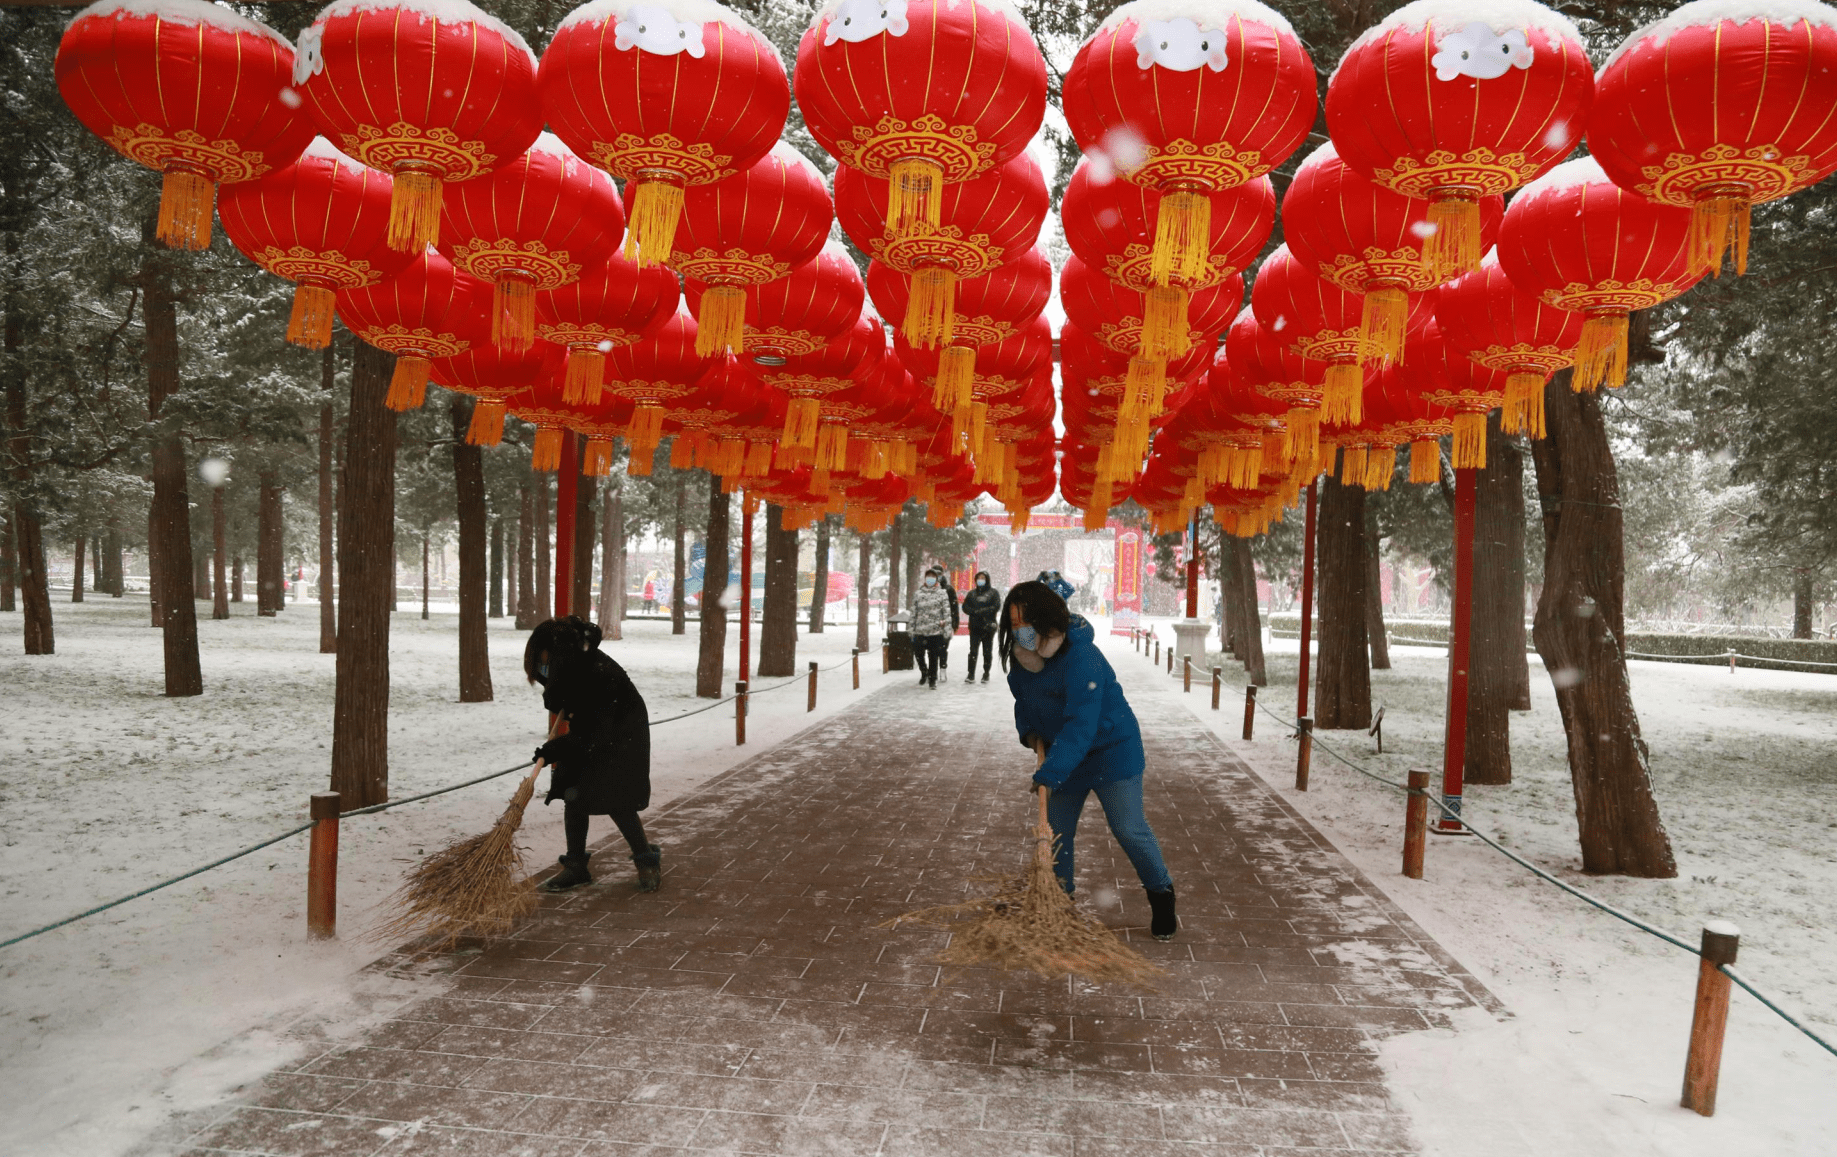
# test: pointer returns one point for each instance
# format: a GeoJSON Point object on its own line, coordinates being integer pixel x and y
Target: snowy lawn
{"type": "Point", "coordinates": [1745, 769]}
{"type": "Point", "coordinates": [106, 786]}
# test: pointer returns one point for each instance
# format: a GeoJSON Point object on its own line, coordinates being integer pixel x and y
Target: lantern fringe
{"type": "Point", "coordinates": [960, 426]}
{"type": "Point", "coordinates": [185, 203]}
{"type": "Point", "coordinates": [1453, 246]}
{"type": "Point", "coordinates": [310, 323]}
{"type": "Point", "coordinates": [874, 462]}
{"type": "Point", "coordinates": [758, 460]}
{"type": "Point", "coordinates": [487, 428]}
{"type": "Point", "coordinates": [1278, 452]}
{"type": "Point", "coordinates": [1164, 322]}
{"type": "Point", "coordinates": [1523, 412]}
{"type": "Point", "coordinates": [513, 313]}
{"type": "Point", "coordinates": [1426, 460]}
{"type": "Point", "coordinates": [915, 197]}
{"type": "Point", "coordinates": [931, 311]}
{"type": "Point", "coordinates": [1352, 465]}
{"type": "Point", "coordinates": [656, 206]}
{"type": "Point", "coordinates": [1183, 239]}
{"type": "Point", "coordinates": [1601, 358]}
{"type": "Point", "coordinates": [596, 460]}
{"type": "Point", "coordinates": [832, 447]}
{"type": "Point", "coordinates": [905, 457]}
{"type": "Point", "coordinates": [1470, 441]}
{"type": "Point", "coordinates": [1382, 318]}
{"type": "Point", "coordinates": [1715, 222]}
{"type": "Point", "coordinates": [1242, 465]}
{"type": "Point", "coordinates": [1342, 403]}
{"type": "Point", "coordinates": [1095, 516]}
{"type": "Point", "coordinates": [683, 450]}
{"type": "Point", "coordinates": [801, 418]}
{"type": "Point", "coordinates": [956, 377]}
{"type": "Point", "coordinates": [1304, 438]}
{"type": "Point", "coordinates": [586, 373]}
{"type": "Point", "coordinates": [722, 325]}
{"type": "Point", "coordinates": [1380, 465]}
{"type": "Point", "coordinates": [545, 454]}
{"type": "Point", "coordinates": [408, 384]}
{"type": "Point", "coordinates": [414, 211]}
{"type": "Point", "coordinates": [643, 437]}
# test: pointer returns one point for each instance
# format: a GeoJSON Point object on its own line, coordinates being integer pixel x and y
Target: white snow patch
{"type": "Point", "coordinates": [186, 13]}
{"type": "Point", "coordinates": [1214, 14]}
{"type": "Point", "coordinates": [1573, 174]}
{"type": "Point", "coordinates": [1001, 6]}
{"type": "Point", "coordinates": [683, 11]}
{"type": "Point", "coordinates": [1453, 16]}
{"type": "Point", "coordinates": [1701, 13]}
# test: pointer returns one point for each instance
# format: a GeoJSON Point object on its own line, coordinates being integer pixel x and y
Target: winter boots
{"type": "Point", "coordinates": [1164, 923]}
{"type": "Point", "coordinates": [650, 868]}
{"type": "Point", "coordinates": [572, 875]}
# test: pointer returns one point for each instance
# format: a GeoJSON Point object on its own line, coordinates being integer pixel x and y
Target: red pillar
{"type": "Point", "coordinates": [747, 502]}
{"type": "Point", "coordinates": [1454, 750]}
{"type": "Point", "coordinates": [1192, 567]}
{"type": "Point", "coordinates": [1307, 600]}
{"type": "Point", "coordinates": [567, 484]}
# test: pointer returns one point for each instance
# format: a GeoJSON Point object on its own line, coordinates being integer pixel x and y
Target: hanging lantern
{"type": "Point", "coordinates": [530, 225]}
{"type": "Point", "coordinates": [1451, 104]}
{"type": "Point", "coordinates": [542, 404]}
{"type": "Point", "coordinates": [428, 94]}
{"type": "Point", "coordinates": [1188, 98]}
{"type": "Point", "coordinates": [921, 94]}
{"type": "Point", "coordinates": [493, 374]}
{"type": "Point", "coordinates": [1367, 240]}
{"type": "Point", "coordinates": [319, 223]}
{"type": "Point", "coordinates": [1718, 106]}
{"type": "Point", "coordinates": [808, 378]}
{"type": "Point", "coordinates": [616, 304]}
{"type": "Point", "coordinates": [651, 374]}
{"type": "Point", "coordinates": [429, 310]}
{"type": "Point", "coordinates": [1485, 317]}
{"type": "Point", "coordinates": [191, 90]}
{"type": "Point", "coordinates": [1580, 242]}
{"type": "Point", "coordinates": [1266, 364]}
{"type": "Point", "coordinates": [1413, 418]}
{"type": "Point", "coordinates": [1004, 367]}
{"type": "Point", "coordinates": [1457, 389]}
{"type": "Point", "coordinates": [666, 96]}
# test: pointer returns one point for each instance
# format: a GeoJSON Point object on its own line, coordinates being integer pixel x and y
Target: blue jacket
{"type": "Point", "coordinates": [1076, 705]}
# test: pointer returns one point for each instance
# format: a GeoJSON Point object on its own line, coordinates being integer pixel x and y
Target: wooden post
{"type": "Point", "coordinates": [1307, 600]}
{"type": "Point", "coordinates": [854, 658]}
{"type": "Point", "coordinates": [1157, 652]}
{"type": "Point", "coordinates": [1415, 824]}
{"type": "Point", "coordinates": [1218, 677]}
{"type": "Point", "coordinates": [1454, 749]}
{"type": "Point", "coordinates": [1135, 639]}
{"type": "Point", "coordinates": [886, 658]}
{"type": "Point", "coordinates": [322, 868]}
{"type": "Point", "coordinates": [1186, 674]}
{"type": "Point", "coordinates": [1250, 711]}
{"type": "Point", "coordinates": [1731, 662]}
{"type": "Point", "coordinates": [1304, 731]}
{"type": "Point", "coordinates": [1170, 660]}
{"type": "Point", "coordinates": [1710, 1020]}
{"type": "Point", "coordinates": [747, 503]}
{"type": "Point", "coordinates": [812, 706]}
{"type": "Point", "coordinates": [740, 713]}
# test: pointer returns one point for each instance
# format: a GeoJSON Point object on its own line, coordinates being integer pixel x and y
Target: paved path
{"type": "Point", "coordinates": [756, 1005]}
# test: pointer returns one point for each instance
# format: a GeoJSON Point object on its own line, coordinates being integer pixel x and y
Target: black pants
{"type": "Point", "coordinates": [985, 640]}
{"type": "Point", "coordinates": [929, 651]}
{"type": "Point", "coordinates": [574, 822]}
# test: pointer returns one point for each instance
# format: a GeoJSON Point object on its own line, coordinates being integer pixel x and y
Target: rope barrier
{"type": "Point", "coordinates": [1717, 657]}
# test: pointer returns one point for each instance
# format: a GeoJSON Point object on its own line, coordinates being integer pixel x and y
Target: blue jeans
{"type": "Point", "coordinates": [1122, 807]}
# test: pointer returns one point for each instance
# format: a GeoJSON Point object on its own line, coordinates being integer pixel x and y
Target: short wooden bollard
{"type": "Point", "coordinates": [1218, 677]}
{"type": "Point", "coordinates": [1157, 652]}
{"type": "Point", "coordinates": [740, 713]}
{"type": "Point", "coordinates": [1170, 660]}
{"type": "Point", "coordinates": [322, 868]}
{"type": "Point", "coordinates": [1415, 824]}
{"type": "Point", "coordinates": [1304, 732]}
{"type": "Point", "coordinates": [1135, 639]}
{"type": "Point", "coordinates": [1186, 674]}
{"type": "Point", "coordinates": [854, 656]}
{"type": "Point", "coordinates": [1721, 940]}
{"type": "Point", "coordinates": [886, 658]}
{"type": "Point", "coordinates": [812, 706]}
{"type": "Point", "coordinates": [1731, 662]}
{"type": "Point", "coordinates": [1250, 711]}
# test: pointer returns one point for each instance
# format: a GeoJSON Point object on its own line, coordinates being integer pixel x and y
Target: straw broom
{"type": "Point", "coordinates": [1032, 924]}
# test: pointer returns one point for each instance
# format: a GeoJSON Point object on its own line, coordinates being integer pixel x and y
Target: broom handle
{"type": "Point", "coordinates": [1044, 831]}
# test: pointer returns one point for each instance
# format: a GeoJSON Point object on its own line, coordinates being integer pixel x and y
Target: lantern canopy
{"type": "Point", "coordinates": [1486, 318]}
{"type": "Point", "coordinates": [493, 374]}
{"type": "Point", "coordinates": [619, 303]}
{"type": "Point", "coordinates": [429, 310]}
{"type": "Point", "coordinates": [651, 374]}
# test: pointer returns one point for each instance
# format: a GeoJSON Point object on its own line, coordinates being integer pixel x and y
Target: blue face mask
{"type": "Point", "coordinates": [542, 670]}
{"type": "Point", "coordinates": [930, 582]}
{"type": "Point", "coordinates": [1027, 638]}
{"type": "Point", "coordinates": [982, 582]}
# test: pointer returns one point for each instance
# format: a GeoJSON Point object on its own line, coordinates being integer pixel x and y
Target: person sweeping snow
{"type": "Point", "coordinates": [602, 766]}
{"type": "Point", "coordinates": [1066, 695]}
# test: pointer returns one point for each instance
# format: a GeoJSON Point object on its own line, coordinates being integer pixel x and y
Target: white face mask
{"type": "Point", "coordinates": [982, 582]}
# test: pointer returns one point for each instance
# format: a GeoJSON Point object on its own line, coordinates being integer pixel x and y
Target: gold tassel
{"type": "Point", "coordinates": [1380, 464]}
{"type": "Point", "coordinates": [1523, 411]}
{"type": "Point", "coordinates": [1304, 438]}
{"type": "Point", "coordinates": [1425, 460]}
{"type": "Point", "coordinates": [1246, 462]}
{"type": "Point", "coordinates": [1183, 238]}
{"type": "Point", "coordinates": [487, 428]}
{"type": "Point", "coordinates": [801, 418]}
{"type": "Point", "coordinates": [685, 449]}
{"type": "Point", "coordinates": [656, 206]}
{"type": "Point", "coordinates": [645, 434]}
{"type": "Point", "coordinates": [596, 461]}
{"type": "Point", "coordinates": [185, 203]}
{"type": "Point", "coordinates": [586, 373]}
{"type": "Point", "coordinates": [905, 457]}
{"type": "Point", "coordinates": [915, 197]}
{"type": "Point", "coordinates": [1715, 221]}
{"type": "Point", "coordinates": [513, 313]}
{"type": "Point", "coordinates": [832, 447]}
{"type": "Point", "coordinates": [1278, 452]}
{"type": "Point", "coordinates": [310, 323]}
{"type": "Point", "coordinates": [874, 465]}
{"type": "Point", "coordinates": [931, 312]}
{"type": "Point", "coordinates": [1470, 441]}
{"type": "Point", "coordinates": [1352, 465]}
{"type": "Point", "coordinates": [1601, 358]}
{"type": "Point", "coordinates": [414, 211]}
{"type": "Point", "coordinates": [979, 426]}
{"type": "Point", "coordinates": [1164, 323]}
{"type": "Point", "coordinates": [956, 377]}
{"type": "Point", "coordinates": [1453, 248]}
{"type": "Point", "coordinates": [758, 460]}
{"type": "Point", "coordinates": [545, 455]}
{"type": "Point", "coordinates": [1342, 403]}
{"type": "Point", "coordinates": [1382, 317]}
{"type": "Point", "coordinates": [408, 384]}
{"type": "Point", "coordinates": [721, 328]}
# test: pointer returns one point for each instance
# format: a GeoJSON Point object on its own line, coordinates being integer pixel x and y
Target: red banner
{"type": "Point", "coordinates": [1127, 615]}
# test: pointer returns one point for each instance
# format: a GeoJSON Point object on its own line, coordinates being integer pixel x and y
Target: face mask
{"type": "Point", "coordinates": [982, 582]}
{"type": "Point", "coordinates": [930, 582]}
{"type": "Point", "coordinates": [542, 670]}
{"type": "Point", "coordinates": [1027, 638]}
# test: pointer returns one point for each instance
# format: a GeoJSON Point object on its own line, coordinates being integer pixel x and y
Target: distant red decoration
{"type": "Point", "coordinates": [619, 303]}
{"type": "Point", "coordinates": [1486, 318]}
{"type": "Point", "coordinates": [191, 90]}
{"type": "Point", "coordinates": [430, 310]}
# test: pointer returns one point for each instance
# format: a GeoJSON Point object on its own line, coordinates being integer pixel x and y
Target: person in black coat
{"type": "Point", "coordinates": [983, 606]}
{"type": "Point", "coordinates": [602, 765]}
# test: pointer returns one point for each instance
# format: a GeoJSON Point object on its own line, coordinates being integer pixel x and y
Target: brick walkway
{"type": "Point", "coordinates": [755, 1005]}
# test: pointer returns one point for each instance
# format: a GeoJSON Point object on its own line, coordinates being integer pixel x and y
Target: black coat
{"type": "Point", "coordinates": [983, 606]}
{"type": "Point", "coordinates": [604, 761]}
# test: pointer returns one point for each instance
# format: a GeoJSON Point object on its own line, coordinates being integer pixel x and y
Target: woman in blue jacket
{"type": "Point", "coordinates": [1066, 695]}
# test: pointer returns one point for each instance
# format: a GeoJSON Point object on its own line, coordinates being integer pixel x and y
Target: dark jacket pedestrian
{"type": "Point", "coordinates": [983, 607]}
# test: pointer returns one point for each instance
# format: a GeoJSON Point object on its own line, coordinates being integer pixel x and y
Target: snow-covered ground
{"type": "Point", "coordinates": [106, 786]}
{"type": "Point", "coordinates": [1745, 769]}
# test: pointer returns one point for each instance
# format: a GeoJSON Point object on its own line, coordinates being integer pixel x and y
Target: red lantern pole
{"type": "Point", "coordinates": [1307, 601]}
{"type": "Point", "coordinates": [1454, 750]}
{"type": "Point", "coordinates": [1192, 567]}
{"type": "Point", "coordinates": [746, 583]}
{"type": "Point", "coordinates": [567, 485]}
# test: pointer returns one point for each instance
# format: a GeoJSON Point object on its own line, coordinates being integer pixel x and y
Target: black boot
{"type": "Point", "coordinates": [1164, 923]}
{"type": "Point", "coordinates": [650, 868]}
{"type": "Point", "coordinates": [572, 875]}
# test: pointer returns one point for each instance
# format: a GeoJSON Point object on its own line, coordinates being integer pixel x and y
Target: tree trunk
{"type": "Point", "coordinates": [366, 586]}
{"type": "Point", "coordinates": [609, 571]}
{"type": "Point", "coordinates": [469, 487]}
{"type": "Point", "coordinates": [778, 628]}
{"type": "Point", "coordinates": [495, 585]}
{"type": "Point", "coordinates": [1496, 658]}
{"type": "Point", "coordinates": [679, 600]}
{"type": "Point", "coordinates": [710, 662]}
{"type": "Point", "coordinates": [894, 543]}
{"type": "Point", "coordinates": [819, 593]}
{"type": "Point", "coordinates": [95, 564]}
{"type": "Point", "coordinates": [171, 545]}
{"type": "Point", "coordinates": [545, 556]}
{"type": "Point", "coordinates": [864, 573]}
{"type": "Point", "coordinates": [1230, 598]}
{"type": "Point", "coordinates": [1342, 696]}
{"type": "Point", "coordinates": [201, 556]}
{"type": "Point", "coordinates": [912, 573]}
{"type": "Point", "coordinates": [1579, 631]}
{"type": "Point", "coordinates": [1249, 617]}
{"type": "Point", "coordinates": [328, 611]}
{"type": "Point", "coordinates": [615, 556]}
{"type": "Point", "coordinates": [111, 563]}
{"type": "Point", "coordinates": [585, 492]}
{"type": "Point", "coordinates": [1802, 604]}
{"type": "Point", "coordinates": [155, 600]}
{"type": "Point", "coordinates": [235, 578]}
{"type": "Point", "coordinates": [1376, 637]}
{"type": "Point", "coordinates": [9, 574]}
{"type": "Point", "coordinates": [219, 557]}
{"type": "Point", "coordinates": [270, 595]}
{"type": "Point", "coordinates": [76, 575]}
{"type": "Point", "coordinates": [526, 557]}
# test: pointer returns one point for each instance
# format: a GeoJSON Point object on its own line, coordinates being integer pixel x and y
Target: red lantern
{"type": "Point", "coordinates": [319, 223]}
{"type": "Point", "coordinates": [619, 303]}
{"type": "Point", "coordinates": [543, 406]}
{"type": "Point", "coordinates": [493, 374]}
{"type": "Point", "coordinates": [1367, 240]}
{"type": "Point", "coordinates": [428, 92]}
{"type": "Point", "coordinates": [1581, 242]}
{"type": "Point", "coordinates": [843, 364]}
{"type": "Point", "coordinates": [801, 312]}
{"type": "Point", "coordinates": [1720, 106]}
{"type": "Point", "coordinates": [748, 230]}
{"type": "Point", "coordinates": [1455, 386]}
{"type": "Point", "coordinates": [922, 93]}
{"type": "Point", "coordinates": [663, 95]}
{"type": "Point", "coordinates": [429, 310]}
{"type": "Point", "coordinates": [1004, 367]}
{"type": "Point", "coordinates": [1187, 98]}
{"type": "Point", "coordinates": [1485, 317]}
{"type": "Point", "coordinates": [1452, 104]}
{"type": "Point", "coordinates": [1266, 364]}
{"type": "Point", "coordinates": [651, 373]}
{"type": "Point", "coordinates": [191, 90]}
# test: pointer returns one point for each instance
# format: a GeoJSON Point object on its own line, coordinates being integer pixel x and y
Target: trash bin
{"type": "Point", "coordinates": [899, 644]}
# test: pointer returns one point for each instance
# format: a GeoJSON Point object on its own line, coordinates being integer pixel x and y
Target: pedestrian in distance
{"type": "Point", "coordinates": [1060, 587]}
{"type": "Point", "coordinates": [601, 766]}
{"type": "Point", "coordinates": [956, 621]}
{"type": "Point", "coordinates": [931, 611]}
{"type": "Point", "coordinates": [1066, 695]}
{"type": "Point", "coordinates": [983, 606]}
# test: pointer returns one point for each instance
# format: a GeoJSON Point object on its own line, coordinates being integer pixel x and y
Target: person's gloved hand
{"type": "Point", "coordinates": [553, 751]}
{"type": "Point", "coordinates": [1029, 739]}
